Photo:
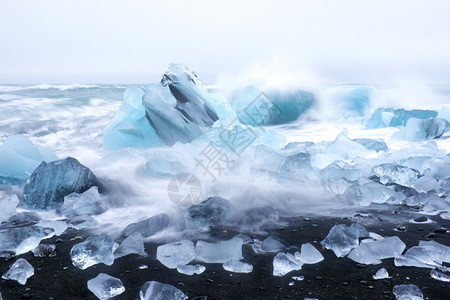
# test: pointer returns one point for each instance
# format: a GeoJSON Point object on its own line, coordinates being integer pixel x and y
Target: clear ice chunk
{"type": "Point", "coordinates": [176, 254]}
{"type": "Point", "coordinates": [391, 173]}
{"type": "Point", "coordinates": [420, 130]}
{"type": "Point", "coordinates": [154, 290]}
{"type": "Point", "coordinates": [19, 240]}
{"type": "Point", "coordinates": [220, 252]}
{"type": "Point", "coordinates": [237, 266]}
{"type": "Point", "coordinates": [273, 244]}
{"type": "Point", "coordinates": [370, 192]}
{"type": "Point", "coordinates": [372, 253]}
{"type": "Point", "coordinates": [149, 226]}
{"type": "Point", "coordinates": [44, 250]}
{"type": "Point", "coordinates": [407, 292]}
{"type": "Point", "coordinates": [87, 203]}
{"type": "Point", "coordinates": [19, 157]}
{"type": "Point", "coordinates": [82, 222]}
{"type": "Point", "coordinates": [58, 226]}
{"type": "Point", "coordinates": [439, 276]}
{"type": "Point", "coordinates": [284, 263]}
{"type": "Point", "coordinates": [375, 145]}
{"type": "Point", "coordinates": [209, 212]}
{"type": "Point", "coordinates": [308, 254]}
{"type": "Point", "coordinates": [20, 271]}
{"type": "Point", "coordinates": [388, 117]}
{"type": "Point", "coordinates": [425, 184]}
{"type": "Point", "coordinates": [8, 203]}
{"type": "Point", "coordinates": [190, 269]}
{"type": "Point", "coordinates": [105, 287]}
{"type": "Point", "coordinates": [342, 239]}
{"type": "Point", "coordinates": [134, 244]}
{"type": "Point", "coordinates": [96, 249]}
{"type": "Point", "coordinates": [51, 182]}
{"type": "Point", "coordinates": [381, 274]}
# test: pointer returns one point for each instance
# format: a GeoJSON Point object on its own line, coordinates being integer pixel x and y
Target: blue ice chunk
{"type": "Point", "coordinates": [21, 239]}
{"type": "Point", "coordinates": [178, 108]}
{"type": "Point", "coordinates": [444, 113]}
{"type": "Point", "coordinates": [130, 127]}
{"type": "Point", "coordinates": [253, 107]}
{"type": "Point", "coordinates": [353, 99]}
{"type": "Point", "coordinates": [51, 182]}
{"type": "Point", "coordinates": [423, 129]}
{"type": "Point", "coordinates": [20, 271]}
{"type": "Point", "coordinates": [19, 157]}
{"type": "Point", "coordinates": [342, 239]}
{"type": "Point", "coordinates": [389, 117]}
{"type": "Point", "coordinates": [212, 211]}
{"type": "Point", "coordinates": [149, 226]}
{"type": "Point", "coordinates": [96, 249]}
{"type": "Point", "coordinates": [376, 145]}
{"type": "Point", "coordinates": [390, 173]}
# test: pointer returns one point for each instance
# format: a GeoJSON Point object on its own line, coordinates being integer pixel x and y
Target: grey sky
{"type": "Point", "coordinates": [108, 41]}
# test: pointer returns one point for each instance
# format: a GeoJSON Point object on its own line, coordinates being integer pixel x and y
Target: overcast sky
{"type": "Point", "coordinates": [107, 41]}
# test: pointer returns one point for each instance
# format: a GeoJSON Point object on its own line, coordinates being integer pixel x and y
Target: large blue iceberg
{"type": "Point", "coordinates": [19, 157]}
{"type": "Point", "coordinates": [423, 129]}
{"type": "Point", "coordinates": [254, 107]}
{"type": "Point", "coordinates": [51, 182]}
{"type": "Point", "coordinates": [389, 117]}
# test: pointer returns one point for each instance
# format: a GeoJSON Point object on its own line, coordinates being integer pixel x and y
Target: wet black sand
{"type": "Point", "coordinates": [333, 278]}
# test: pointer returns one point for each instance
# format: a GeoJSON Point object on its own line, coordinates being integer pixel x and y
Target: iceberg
{"type": "Point", "coordinates": [96, 249]}
{"type": "Point", "coordinates": [20, 271]}
{"type": "Point", "coordinates": [148, 227]}
{"type": "Point", "coordinates": [8, 203]}
{"type": "Point", "coordinates": [373, 252]}
{"type": "Point", "coordinates": [105, 287]}
{"type": "Point", "coordinates": [254, 107]}
{"type": "Point", "coordinates": [21, 239]}
{"type": "Point", "coordinates": [342, 239]}
{"type": "Point", "coordinates": [51, 182]}
{"type": "Point", "coordinates": [407, 292]}
{"type": "Point", "coordinates": [154, 290]}
{"type": "Point", "coordinates": [389, 117]}
{"type": "Point", "coordinates": [19, 157]}
{"type": "Point", "coordinates": [130, 127]}
{"type": "Point", "coordinates": [86, 203]}
{"type": "Point", "coordinates": [423, 129]}
{"type": "Point", "coordinates": [134, 244]}
{"type": "Point", "coordinates": [238, 266]}
{"type": "Point", "coordinates": [284, 263]}
{"type": "Point", "coordinates": [176, 254]}
{"type": "Point", "coordinates": [220, 252]}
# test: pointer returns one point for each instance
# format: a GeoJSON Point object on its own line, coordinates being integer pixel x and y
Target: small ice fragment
{"type": "Point", "coordinates": [238, 266]}
{"type": "Point", "coordinates": [86, 203]}
{"type": "Point", "coordinates": [445, 216]}
{"type": "Point", "coordinates": [190, 269]}
{"type": "Point", "coordinates": [20, 271]}
{"type": "Point", "coordinates": [308, 254]}
{"type": "Point", "coordinates": [342, 239]}
{"type": "Point", "coordinates": [96, 249]}
{"type": "Point", "coordinates": [273, 244]}
{"type": "Point", "coordinates": [44, 250]}
{"type": "Point", "coordinates": [134, 244]}
{"type": "Point", "coordinates": [105, 286]}
{"type": "Point", "coordinates": [58, 226]}
{"type": "Point", "coordinates": [143, 267]}
{"type": "Point", "coordinates": [284, 263]}
{"type": "Point", "coordinates": [148, 227]}
{"type": "Point", "coordinates": [374, 252]}
{"type": "Point", "coordinates": [176, 254]}
{"type": "Point", "coordinates": [439, 276]}
{"type": "Point", "coordinates": [381, 274]}
{"type": "Point", "coordinates": [220, 252]}
{"type": "Point", "coordinates": [298, 278]}
{"type": "Point", "coordinates": [407, 292]}
{"type": "Point", "coordinates": [8, 203]}
{"type": "Point", "coordinates": [82, 222]}
{"type": "Point", "coordinates": [291, 283]}
{"type": "Point", "coordinates": [154, 290]}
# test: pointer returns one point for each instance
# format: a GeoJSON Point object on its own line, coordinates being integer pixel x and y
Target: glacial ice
{"type": "Point", "coordinates": [407, 292]}
{"type": "Point", "coordinates": [375, 145]}
{"type": "Point", "coordinates": [372, 253]}
{"type": "Point", "coordinates": [308, 254]}
{"type": "Point", "coordinates": [236, 266]}
{"type": "Point", "coordinates": [381, 274]}
{"type": "Point", "coordinates": [389, 173]}
{"type": "Point", "coordinates": [220, 252]}
{"type": "Point", "coordinates": [8, 203]}
{"type": "Point", "coordinates": [149, 226]}
{"type": "Point", "coordinates": [153, 290]}
{"type": "Point", "coordinates": [96, 249]}
{"type": "Point", "coordinates": [389, 117]}
{"type": "Point", "coordinates": [176, 254]}
{"type": "Point", "coordinates": [352, 100]}
{"type": "Point", "coordinates": [105, 287]}
{"type": "Point", "coordinates": [19, 240]}
{"type": "Point", "coordinates": [51, 182]}
{"type": "Point", "coordinates": [284, 263]}
{"type": "Point", "coordinates": [19, 157]}
{"type": "Point", "coordinates": [425, 184]}
{"type": "Point", "coordinates": [82, 222]}
{"type": "Point", "coordinates": [253, 107]}
{"type": "Point", "coordinates": [86, 203]}
{"type": "Point", "coordinates": [423, 129]}
{"type": "Point", "coordinates": [370, 192]}
{"type": "Point", "coordinates": [342, 239]}
{"type": "Point", "coordinates": [191, 269]}
{"type": "Point", "coordinates": [58, 226]}
{"type": "Point", "coordinates": [444, 113]}
{"type": "Point", "coordinates": [134, 244]}
{"type": "Point", "coordinates": [20, 271]}
{"type": "Point", "coordinates": [44, 250]}
{"type": "Point", "coordinates": [273, 244]}
{"type": "Point", "coordinates": [130, 127]}
{"type": "Point", "coordinates": [439, 276]}
{"type": "Point", "coordinates": [212, 211]}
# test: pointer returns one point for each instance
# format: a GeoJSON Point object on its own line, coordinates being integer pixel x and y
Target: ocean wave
{"type": "Point", "coordinates": [61, 87]}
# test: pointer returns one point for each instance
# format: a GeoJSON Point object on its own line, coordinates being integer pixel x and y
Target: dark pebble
{"type": "Point", "coordinates": [319, 277]}
{"type": "Point", "coordinates": [361, 266]}
{"type": "Point", "coordinates": [363, 282]}
{"type": "Point", "coordinates": [345, 283]}
{"type": "Point", "coordinates": [261, 288]}
{"type": "Point", "coordinates": [51, 298]}
{"type": "Point", "coordinates": [440, 230]}
{"type": "Point", "coordinates": [27, 296]}
{"type": "Point", "coordinates": [401, 228]}
{"type": "Point", "coordinates": [421, 219]}
{"type": "Point", "coordinates": [431, 235]}
{"type": "Point", "coordinates": [387, 282]}
{"type": "Point", "coordinates": [314, 225]}
{"type": "Point", "coordinates": [210, 280]}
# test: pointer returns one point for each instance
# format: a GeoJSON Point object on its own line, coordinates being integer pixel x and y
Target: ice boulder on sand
{"type": "Point", "coordinates": [51, 182]}
{"type": "Point", "coordinates": [372, 253]}
{"type": "Point", "coordinates": [407, 292]}
{"type": "Point", "coordinates": [19, 157]}
{"type": "Point", "coordinates": [284, 263]}
{"type": "Point", "coordinates": [105, 287]}
{"type": "Point", "coordinates": [20, 271]}
{"type": "Point", "coordinates": [176, 254]}
{"type": "Point", "coordinates": [154, 290]}
{"type": "Point", "coordinates": [134, 244]}
{"type": "Point", "coordinates": [220, 252]}
{"type": "Point", "coordinates": [21, 239]}
{"type": "Point", "coordinates": [96, 249]}
{"type": "Point", "coordinates": [149, 226]}
{"type": "Point", "coordinates": [342, 239]}
{"type": "Point", "coordinates": [419, 130]}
